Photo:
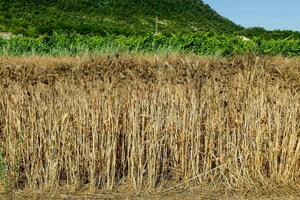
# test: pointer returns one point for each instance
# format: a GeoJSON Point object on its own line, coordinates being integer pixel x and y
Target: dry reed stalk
{"type": "Point", "coordinates": [148, 123]}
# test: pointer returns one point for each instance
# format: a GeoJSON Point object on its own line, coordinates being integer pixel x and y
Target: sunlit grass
{"type": "Point", "coordinates": [153, 121]}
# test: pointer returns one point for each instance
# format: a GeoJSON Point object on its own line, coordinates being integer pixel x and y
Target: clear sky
{"type": "Point", "coordinates": [269, 14]}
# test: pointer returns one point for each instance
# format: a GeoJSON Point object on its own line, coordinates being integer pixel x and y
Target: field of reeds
{"type": "Point", "coordinates": [149, 122]}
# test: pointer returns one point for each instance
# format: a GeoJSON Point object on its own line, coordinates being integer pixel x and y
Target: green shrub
{"type": "Point", "coordinates": [199, 43]}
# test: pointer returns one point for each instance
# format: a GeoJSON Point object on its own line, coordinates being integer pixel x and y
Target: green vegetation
{"type": "Point", "coordinates": [200, 43]}
{"type": "Point", "coordinates": [121, 17]}
{"type": "Point", "coordinates": [3, 172]}
{"type": "Point", "coordinates": [105, 17]}
{"type": "Point", "coordinates": [60, 27]}
{"type": "Point", "coordinates": [275, 34]}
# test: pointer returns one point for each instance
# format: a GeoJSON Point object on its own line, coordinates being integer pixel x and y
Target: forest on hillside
{"type": "Point", "coordinates": [105, 17]}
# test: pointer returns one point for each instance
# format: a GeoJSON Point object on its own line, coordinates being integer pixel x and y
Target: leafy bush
{"type": "Point", "coordinates": [199, 43]}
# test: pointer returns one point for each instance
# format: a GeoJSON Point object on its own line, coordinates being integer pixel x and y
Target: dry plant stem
{"type": "Point", "coordinates": [196, 177]}
{"type": "Point", "coordinates": [100, 122]}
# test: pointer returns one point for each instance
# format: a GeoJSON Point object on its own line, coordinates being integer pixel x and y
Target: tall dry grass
{"type": "Point", "coordinates": [150, 122]}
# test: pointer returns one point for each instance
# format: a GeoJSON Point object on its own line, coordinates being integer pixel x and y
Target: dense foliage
{"type": "Point", "coordinates": [121, 17]}
{"type": "Point", "coordinates": [200, 43]}
{"type": "Point", "coordinates": [275, 34]}
{"type": "Point", "coordinates": [104, 17]}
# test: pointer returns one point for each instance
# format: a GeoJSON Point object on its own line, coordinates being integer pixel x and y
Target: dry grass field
{"type": "Point", "coordinates": [150, 123]}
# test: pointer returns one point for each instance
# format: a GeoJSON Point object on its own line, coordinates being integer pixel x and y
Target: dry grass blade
{"type": "Point", "coordinates": [149, 122]}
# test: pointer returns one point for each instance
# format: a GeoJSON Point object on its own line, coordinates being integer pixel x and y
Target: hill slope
{"type": "Point", "coordinates": [104, 17]}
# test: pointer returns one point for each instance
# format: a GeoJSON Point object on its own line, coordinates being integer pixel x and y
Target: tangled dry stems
{"type": "Point", "coordinates": [150, 121]}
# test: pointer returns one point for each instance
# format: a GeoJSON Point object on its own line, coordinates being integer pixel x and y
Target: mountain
{"type": "Point", "coordinates": [126, 17]}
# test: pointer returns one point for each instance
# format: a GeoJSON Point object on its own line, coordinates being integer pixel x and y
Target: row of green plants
{"type": "Point", "coordinates": [200, 43]}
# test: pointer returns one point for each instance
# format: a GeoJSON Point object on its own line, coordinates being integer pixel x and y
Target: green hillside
{"type": "Point", "coordinates": [126, 17]}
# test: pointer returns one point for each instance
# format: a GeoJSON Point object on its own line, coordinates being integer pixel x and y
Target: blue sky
{"type": "Point", "coordinates": [270, 14]}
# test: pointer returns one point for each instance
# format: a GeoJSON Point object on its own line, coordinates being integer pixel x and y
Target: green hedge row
{"type": "Point", "coordinates": [202, 44]}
